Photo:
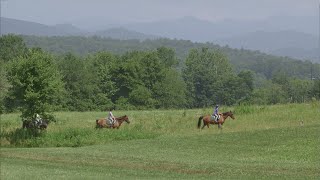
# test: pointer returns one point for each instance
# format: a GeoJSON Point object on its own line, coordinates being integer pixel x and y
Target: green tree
{"type": "Point", "coordinates": [244, 83]}
{"type": "Point", "coordinates": [167, 56]}
{"type": "Point", "coordinates": [139, 72]}
{"type": "Point", "coordinates": [149, 79]}
{"type": "Point", "coordinates": [79, 83]}
{"type": "Point", "coordinates": [207, 74]}
{"type": "Point", "coordinates": [4, 86]}
{"type": "Point", "coordinates": [270, 93]}
{"type": "Point", "coordinates": [315, 92]}
{"type": "Point", "coordinates": [127, 75]}
{"type": "Point", "coordinates": [102, 66]}
{"type": "Point", "coordinates": [171, 92]}
{"type": "Point", "coordinates": [12, 46]}
{"type": "Point", "coordinates": [300, 90]}
{"type": "Point", "coordinates": [36, 84]}
{"type": "Point", "coordinates": [153, 70]}
{"type": "Point", "coordinates": [141, 98]}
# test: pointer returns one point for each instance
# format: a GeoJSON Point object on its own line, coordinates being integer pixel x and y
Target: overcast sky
{"type": "Point", "coordinates": [123, 11]}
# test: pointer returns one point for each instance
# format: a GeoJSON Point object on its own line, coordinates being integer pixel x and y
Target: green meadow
{"type": "Point", "coordinates": [263, 142]}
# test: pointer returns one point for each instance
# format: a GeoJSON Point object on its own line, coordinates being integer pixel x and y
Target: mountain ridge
{"type": "Point", "coordinates": [287, 42]}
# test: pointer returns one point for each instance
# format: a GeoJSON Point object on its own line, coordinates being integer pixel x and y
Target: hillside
{"type": "Point", "coordinates": [284, 43]}
{"type": "Point", "coordinates": [294, 37]}
{"type": "Point", "coordinates": [299, 53]}
{"type": "Point", "coordinates": [31, 28]}
{"type": "Point", "coordinates": [281, 37]}
{"type": "Point", "coordinates": [20, 27]}
{"type": "Point", "coordinates": [241, 59]}
{"type": "Point", "coordinates": [123, 34]}
{"type": "Point", "coordinates": [194, 29]}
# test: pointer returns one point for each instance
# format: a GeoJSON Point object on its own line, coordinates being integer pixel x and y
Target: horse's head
{"type": "Point", "coordinates": [123, 118]}
{"type": "Point", "coordinates": [126, 119]}
{"type": "Point", "coordinates": [231, 115]}
{"type": "Point", "coordinates": [227, 114]}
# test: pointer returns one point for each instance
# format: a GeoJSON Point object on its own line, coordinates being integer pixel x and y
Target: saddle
{"type": "Point", "coordinates": [110, 123]}
{"type": "Point", "coordinates": [215, 117]}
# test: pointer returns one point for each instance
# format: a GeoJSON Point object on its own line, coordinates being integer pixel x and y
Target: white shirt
{"type": "Point", "coordinates": [111, 115]}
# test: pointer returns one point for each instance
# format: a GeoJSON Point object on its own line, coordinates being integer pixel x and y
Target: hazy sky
{"type": "Point", "coordinates": [123, 11]}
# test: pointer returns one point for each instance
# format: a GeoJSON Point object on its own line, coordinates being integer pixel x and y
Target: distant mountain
{"type": "Point", "coordinates": [270, 41]}
{"type": "Point", "coordinates": [191, 28]}
{"type": "Point", "coordinates": [187, 28]}
{"type": "Point", "coordinates": [14, 26]}
{"type": "Point", "coordinates": [123, 34]}
{"type": "Point", "coordinates": [298, 53]}
{"type": "Point", "coordinates": [70, 29]}
{"type": "Point", "coordinates": [30, 28]}
{"type": "Point", "coordinates": [286, 36]}
{"type": "Point", "coordinates": [284, 43]}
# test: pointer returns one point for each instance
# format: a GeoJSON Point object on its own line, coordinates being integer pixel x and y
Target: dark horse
{"type": "Point", "coordinates": [207, 119]}
{"type": "Point", "coordinates": [104, 123]}
{"type": "Point", "coordinates": [31, 124]}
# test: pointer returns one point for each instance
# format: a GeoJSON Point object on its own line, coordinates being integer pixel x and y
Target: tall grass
{"type": "Point", "coordinates": [74, 129]}
{"type": "Point", "coordinates": [261, 143]}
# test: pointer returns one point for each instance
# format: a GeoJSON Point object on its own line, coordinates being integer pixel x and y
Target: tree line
{"type": "Point", "coordinates": [262, 64]}
{"type": "Point", "coordinates": [36, 81]}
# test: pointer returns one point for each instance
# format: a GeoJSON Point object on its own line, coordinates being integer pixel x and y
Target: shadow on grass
{"type": "Point", "coordinates": [20, 136]}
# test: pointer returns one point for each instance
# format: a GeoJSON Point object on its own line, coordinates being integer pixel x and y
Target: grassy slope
{"type": "Point", "coordinates": [269, 142]}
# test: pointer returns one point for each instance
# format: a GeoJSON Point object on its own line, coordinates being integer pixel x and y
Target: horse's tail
{"type": "Point", "coordinates": [98, 124]}
{"type": "Point", "coordinates": [199, 122]}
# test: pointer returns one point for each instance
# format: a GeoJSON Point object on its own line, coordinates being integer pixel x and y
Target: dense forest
{"type": "Point", "coordinates": [263, 64]}
{"type": "Point", "coordinates": [92, 73]}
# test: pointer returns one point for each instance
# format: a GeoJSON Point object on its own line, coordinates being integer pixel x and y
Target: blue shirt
{"type": "Point", "coordinates": [216, 110]}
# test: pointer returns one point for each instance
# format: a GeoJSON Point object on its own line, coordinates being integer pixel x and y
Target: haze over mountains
{"type": "Point", "coordinates": [284, 36]}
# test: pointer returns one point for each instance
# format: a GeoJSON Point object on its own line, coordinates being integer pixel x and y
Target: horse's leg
{"type": "Point", "coordinates": [204, 124]}
{"type": "Point", "coordinates": [219, 126]}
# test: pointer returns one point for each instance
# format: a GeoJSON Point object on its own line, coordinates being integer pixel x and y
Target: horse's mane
{"type": "Point", "coordinates": [121, 117]}
{"type": "Point", "coordinates": [226, 113]}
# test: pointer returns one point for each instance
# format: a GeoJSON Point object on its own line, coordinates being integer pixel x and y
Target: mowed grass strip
{"type": "Point", "coordinates": [290, 153]}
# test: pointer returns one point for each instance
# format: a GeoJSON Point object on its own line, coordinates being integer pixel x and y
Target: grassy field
{"type": "Point", "coordinates": [264, 142]}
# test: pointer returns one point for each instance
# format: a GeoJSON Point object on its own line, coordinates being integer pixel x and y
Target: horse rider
{"type": "Point", "coordinates": [111, 118]}
{"type": "Point", "coordinates": [38, 120]}
{"type": "Point", "coordinates": [215, 114]}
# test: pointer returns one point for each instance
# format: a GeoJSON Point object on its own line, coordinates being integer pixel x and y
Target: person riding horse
{"type": "Point", "coordinates": [38, 120]}
{"type": "Point", "coordinates": [215, 115]}
{"type": "Point", "coordinates": [207, 119]}
{"type": "Point", "coordinates": [35, 123]}
{"type": "Point", "coordinates": [104, 123]}
{"type": "Point", "coordinates": [110, 118]}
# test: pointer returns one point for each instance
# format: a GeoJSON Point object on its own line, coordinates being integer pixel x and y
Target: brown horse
{"type": "Point", "coordinates": [104, 123]}
{"type": "Point", "coordinates": [207, 119]}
